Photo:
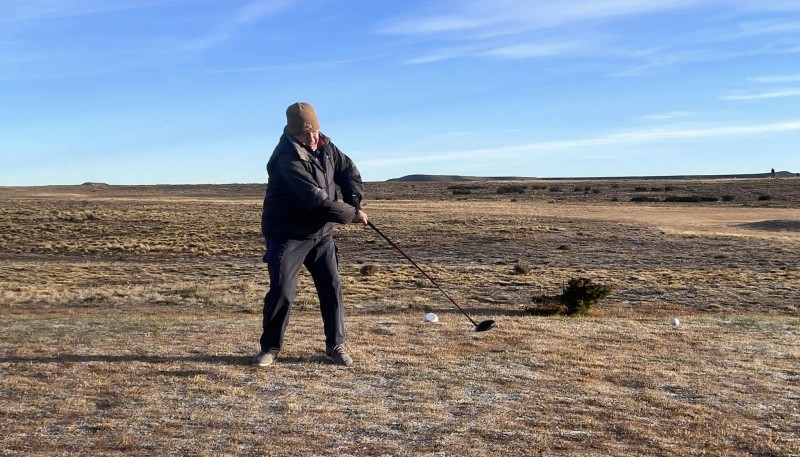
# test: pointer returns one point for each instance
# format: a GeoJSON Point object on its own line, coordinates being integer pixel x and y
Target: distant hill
{"type": "Point", "coordinates": [443, 178]}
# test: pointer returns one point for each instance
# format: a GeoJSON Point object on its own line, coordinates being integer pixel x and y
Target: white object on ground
{"type": "Point", "coordinates": [431, 317]}
{"type": "Point", "coordinates": [674, 322]}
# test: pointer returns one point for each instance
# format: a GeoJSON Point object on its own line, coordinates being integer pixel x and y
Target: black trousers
{"type": "Point", "coordinates": [284, 258]}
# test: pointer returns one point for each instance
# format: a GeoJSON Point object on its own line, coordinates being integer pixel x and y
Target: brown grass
{"type": "Point", "coordinates": [129, 316]}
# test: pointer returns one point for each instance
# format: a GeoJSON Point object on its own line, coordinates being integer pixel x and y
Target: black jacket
{"type": "Point", "coordinates": [301, 200]}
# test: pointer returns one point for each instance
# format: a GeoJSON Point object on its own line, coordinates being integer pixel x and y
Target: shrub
{"type": "Point", "coordinates": [764, 197]}
{"type": "Point", "coordinates": [461, 191]}
{"type": "Point", "coordinates": [368, 270]}
{"type": "Point", "coordinates": [580, 294]}
{"type": "Point", "coordinates": [511, 189]}
{"type": "Point", "coordinates": [595, 191]}
{"type": "Point", "coordinates": [727, 198]}
{"type": "Point", "coordinates": [643, 199]}
{"type": "Point", "coordinates": [669, 188]}
{"type": "Point", "coordinates": [640, 189]}
{"type": "Point", "coordinates": [577, 189]}
{"type": "Point", "coordinates": [577, 297]}
{"type": "Point", "coordinates": [555, 189]}
{"type": "Point", "coordinates": [522, 267]}
{"type": "Point", "coordinates": [689, 199]}
{"type": "Point", "coordinates": [656, 189]}
{"type": "Point", "coordinates": [615, 186]}
{"type": "Point", "coordinates": [465, 186]}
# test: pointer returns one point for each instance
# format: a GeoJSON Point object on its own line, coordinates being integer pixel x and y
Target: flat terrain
{"type": "Point", "coordinates": [129, 315]}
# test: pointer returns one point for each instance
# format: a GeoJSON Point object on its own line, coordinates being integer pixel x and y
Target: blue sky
{"type": "Point", "coordinates": [195, 91]}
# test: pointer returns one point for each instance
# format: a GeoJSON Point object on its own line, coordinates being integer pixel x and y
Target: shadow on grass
{"type": "Point", "coordinates": [154, 360]}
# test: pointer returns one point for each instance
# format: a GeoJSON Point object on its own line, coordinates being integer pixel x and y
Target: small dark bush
{"type": "Point", "coordinates": [727, 198]}
{"type": "Point", "coordinates": [581, 294]}
{"type": "Point", "coordinates": [461, 191]}
{"type": "Point", "coordinates": [577, 297]}
{"type": "Point", "coordinates": [669, 188]}
{"type": "Point", "coordinates": [554, 189]}
{"type": "Point", "coordinates": [656, 189]}
{"type": "Point", "coordinates": [587, 188]}
{"type": "Point", "coordinates": [689, 199]}
{"type": "Point", "coordinates": [368, 270]}
{"type": "Point", "coordinates": [595, 191]}
{"type": "Point", "coordinates": [465, 186]}
{"type": "Point", "coordinates": [764, 197]}
{"type": "Point", "coordinates": [643, 199]}
{"type": "Point", "coordinates": [578, 189]}
{"type": "Point", "coordinates": [511, 189]}
{"type": "Point", "coordinates": [615, 186]}
{"type": "Point", "coordinates": [640, 189]}
{"type": "Point", "coordinates": [522, 267]}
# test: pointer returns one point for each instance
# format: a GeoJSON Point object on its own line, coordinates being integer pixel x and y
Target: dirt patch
{"type": "Point", "coordinates": [776, 225]}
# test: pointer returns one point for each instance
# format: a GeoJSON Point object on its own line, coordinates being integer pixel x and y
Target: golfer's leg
{"type": "Point", "coordinates": [284, 259]}
{"type": "Point", "coordinates": [323, 266]}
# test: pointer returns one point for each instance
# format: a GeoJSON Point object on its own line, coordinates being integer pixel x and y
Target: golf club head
{"type": "Point", "coordinates": [484, 325]}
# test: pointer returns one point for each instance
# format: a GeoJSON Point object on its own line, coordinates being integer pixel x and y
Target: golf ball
{"type": "Point", "coordinates": [431, 317]}
{"type": "Point", "coordinates": [674, 322]}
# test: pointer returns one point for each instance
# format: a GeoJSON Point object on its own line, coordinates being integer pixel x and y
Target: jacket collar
{"type": "Point", "coordinates": [302, 152]}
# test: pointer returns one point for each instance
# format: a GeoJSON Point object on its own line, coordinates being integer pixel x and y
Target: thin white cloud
{"type": "Point", "coordinates": [655, 59]}
{"type": "Point", "coordinates": [15, 11]}
{"type": "Point", "coordinates": [446, 53]}
{"type": "Point", "coordinates": [667, 116]}
{"type": "Point", "coordinates": [511, 16]}
{"type": "Point", "coordinates": [281, 68]}
{"type": "Point", "coordinates": [528, 50]}
{"type": "Point", "coordinates": [768, 27]}
{"type": "Point", "coordinates": [651, 135]}
{"type": "Point", "coordinates": [793, 92]}
{"type": "Point", "coordinates": [776, 79]}
{"type": "Point", "coordinates": [508, 29]}
{"type": "Point", "coordinates": [251, 13]}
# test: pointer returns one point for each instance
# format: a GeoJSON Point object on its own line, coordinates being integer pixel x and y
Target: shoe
{"type": "Point", "coordinates": [265, 358]}
{"type": "Point", "coordinates": [338, 355]}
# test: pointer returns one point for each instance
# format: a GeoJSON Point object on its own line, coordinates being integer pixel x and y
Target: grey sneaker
{"type": "Point", "coordinates": [338, 355]}
{"type": "Point", "coordinates": [265, 358]}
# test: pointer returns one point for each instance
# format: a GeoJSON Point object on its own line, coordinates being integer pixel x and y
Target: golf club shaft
{"type": "Point", "coordinates": [421, 270]}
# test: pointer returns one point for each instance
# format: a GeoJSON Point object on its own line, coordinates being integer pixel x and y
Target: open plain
{"type": "Point", "coordinates": [129, 315]}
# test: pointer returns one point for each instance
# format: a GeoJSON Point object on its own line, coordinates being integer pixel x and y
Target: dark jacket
{"type": "Point", "coordinates": [301, 200]}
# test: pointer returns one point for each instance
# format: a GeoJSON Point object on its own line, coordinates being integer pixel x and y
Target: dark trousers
{"type": "Point", "coordinates": [284, 258]}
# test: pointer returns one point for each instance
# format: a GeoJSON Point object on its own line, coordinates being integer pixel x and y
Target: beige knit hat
{"type": "Point", "coordinates": [301, 118]}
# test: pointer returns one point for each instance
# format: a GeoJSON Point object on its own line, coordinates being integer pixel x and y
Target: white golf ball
{"type": "Point", "coordinates": [431, 317]}
{"type": "Point", "coordinates": [675, 322]}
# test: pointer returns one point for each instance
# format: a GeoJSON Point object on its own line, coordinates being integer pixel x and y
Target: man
{"type": "Point", "coordinates": [300, 208]}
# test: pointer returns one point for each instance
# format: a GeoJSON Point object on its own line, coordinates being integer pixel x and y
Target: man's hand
{"type": "Point", "coordinates": [361, 217]}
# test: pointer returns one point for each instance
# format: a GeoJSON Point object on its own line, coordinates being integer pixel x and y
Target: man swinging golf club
{"type": "Point", "coordinates": [300, 208]}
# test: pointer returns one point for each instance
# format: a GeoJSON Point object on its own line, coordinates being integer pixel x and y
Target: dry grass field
{"type": "Point", "coordinates": [129, 316]}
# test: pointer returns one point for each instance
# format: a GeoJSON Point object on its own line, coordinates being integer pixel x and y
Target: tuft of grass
{"type": "Point", "coordinates": [522, 267]}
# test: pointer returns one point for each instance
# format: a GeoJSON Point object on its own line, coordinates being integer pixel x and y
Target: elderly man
{"type": "Point", "coordinates": [300, 208]}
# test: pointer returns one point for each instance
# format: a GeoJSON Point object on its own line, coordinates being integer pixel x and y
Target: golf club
{"type": "Point", "coordinates": [479, 326]}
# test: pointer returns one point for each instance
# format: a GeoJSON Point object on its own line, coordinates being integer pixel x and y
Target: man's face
{"type": "Point", "coordinates": [309, 138]}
